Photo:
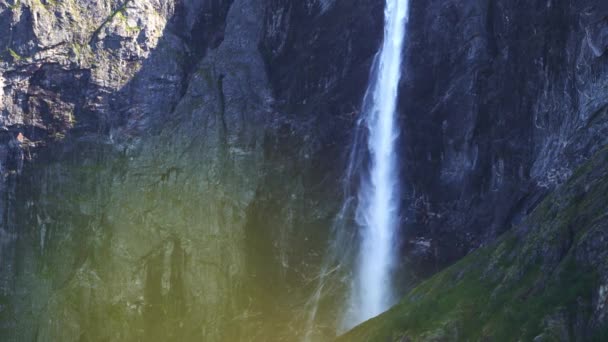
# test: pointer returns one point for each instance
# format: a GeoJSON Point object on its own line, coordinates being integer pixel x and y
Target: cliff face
{"type": "Point", "coordinates": [545, 280]}
{"type": "Point", "coordinates": [83, 83]}
{"type": "Point", "coordinates": [500, 102]}
{"type": "Point", "coordinates": [90, 67]}
{"type": "Point", "coordinates": [171, 168]}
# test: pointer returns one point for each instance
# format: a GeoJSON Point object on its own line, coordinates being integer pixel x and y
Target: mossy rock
{"type": "Point", "coordinates": [538, 282]}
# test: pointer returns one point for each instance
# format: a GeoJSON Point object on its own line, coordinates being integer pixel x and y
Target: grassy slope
{"type": "Point", "coordinates": [539, 280]}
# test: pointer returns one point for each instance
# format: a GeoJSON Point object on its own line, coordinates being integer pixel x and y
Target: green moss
{"type": "Point", "coordinates": [16, 5]}
{"type": "Point", "coordinates": [58, 136]}
{"type": "Point", "coordinates": [119, 14]}
{"type": "Point", "coordinates": [76, 48]}
{"type": "Point", "coordinates": [510, 290]}
{"type": "Point", "coordinates": [46, 4]}
{"type": "Point", "coordinates": [71, 119]}
{"type": "Point", "coordinates": [15, 55]}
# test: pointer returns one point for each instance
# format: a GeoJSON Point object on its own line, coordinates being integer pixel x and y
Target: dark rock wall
{"type": "Point", "coordinates": [318, 73]}
{"type": "Point", "coordinates": [191, 151]}
{"type": "Point", "coordinates": [177, 188]}
{"type": "Point", "coordinates": [544, 280]}
{"type": "Point", "coordinates": [499, 102]}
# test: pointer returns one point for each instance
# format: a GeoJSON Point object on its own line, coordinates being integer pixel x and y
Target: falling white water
{"type": "Point", "coordinates": [378, 197]}
{"type": "Point", "coordinates": [378, 207]}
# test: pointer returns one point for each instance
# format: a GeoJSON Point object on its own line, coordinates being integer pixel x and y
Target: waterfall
{"type": "Point", "coordinates": [378, 198]}
{"type": "Point", "coordinates": [376, 206]}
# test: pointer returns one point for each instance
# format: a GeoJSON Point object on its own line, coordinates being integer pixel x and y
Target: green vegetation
{"type": "Point", "coordinates": [46, 4]}
{"type": "Point", "coordinates": [58, 136]}
{"type": "Point", "coordinates": [15, 5]}
{"type": "Point", "coordinates": [121, 17]}
{"type": "Point", "coordinates": [537, 281]}
{"type": "Point", "coordinates": [118, 13]}
{"type": "Point", "coordinates": [16, 57]}
{"type": "Point", "coordinates": [71, 119]}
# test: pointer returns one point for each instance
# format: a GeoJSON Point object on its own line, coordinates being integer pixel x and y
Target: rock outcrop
{"type": "Point", "coordinates": [545, 280]}
{"type": "Point", "coordinates": [168, 176]}
{"type": "Point", "coordinates": [501, 101]}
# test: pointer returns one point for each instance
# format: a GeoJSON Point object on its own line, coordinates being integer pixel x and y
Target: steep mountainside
{"type": "Point", "coordinates": [170, 169]}
{"type": "Point", "coordinates": [501, 101]}
{"type": "Point", "coordinates": [545, 280]}
{"type": "Point", "coordinates": [166, 177]}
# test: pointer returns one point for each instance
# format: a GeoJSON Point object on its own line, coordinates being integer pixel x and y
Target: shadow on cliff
{"type": "Point", "coordinates": [58, 178]}
{"type": "Point", "coordinates": [70, 223]}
